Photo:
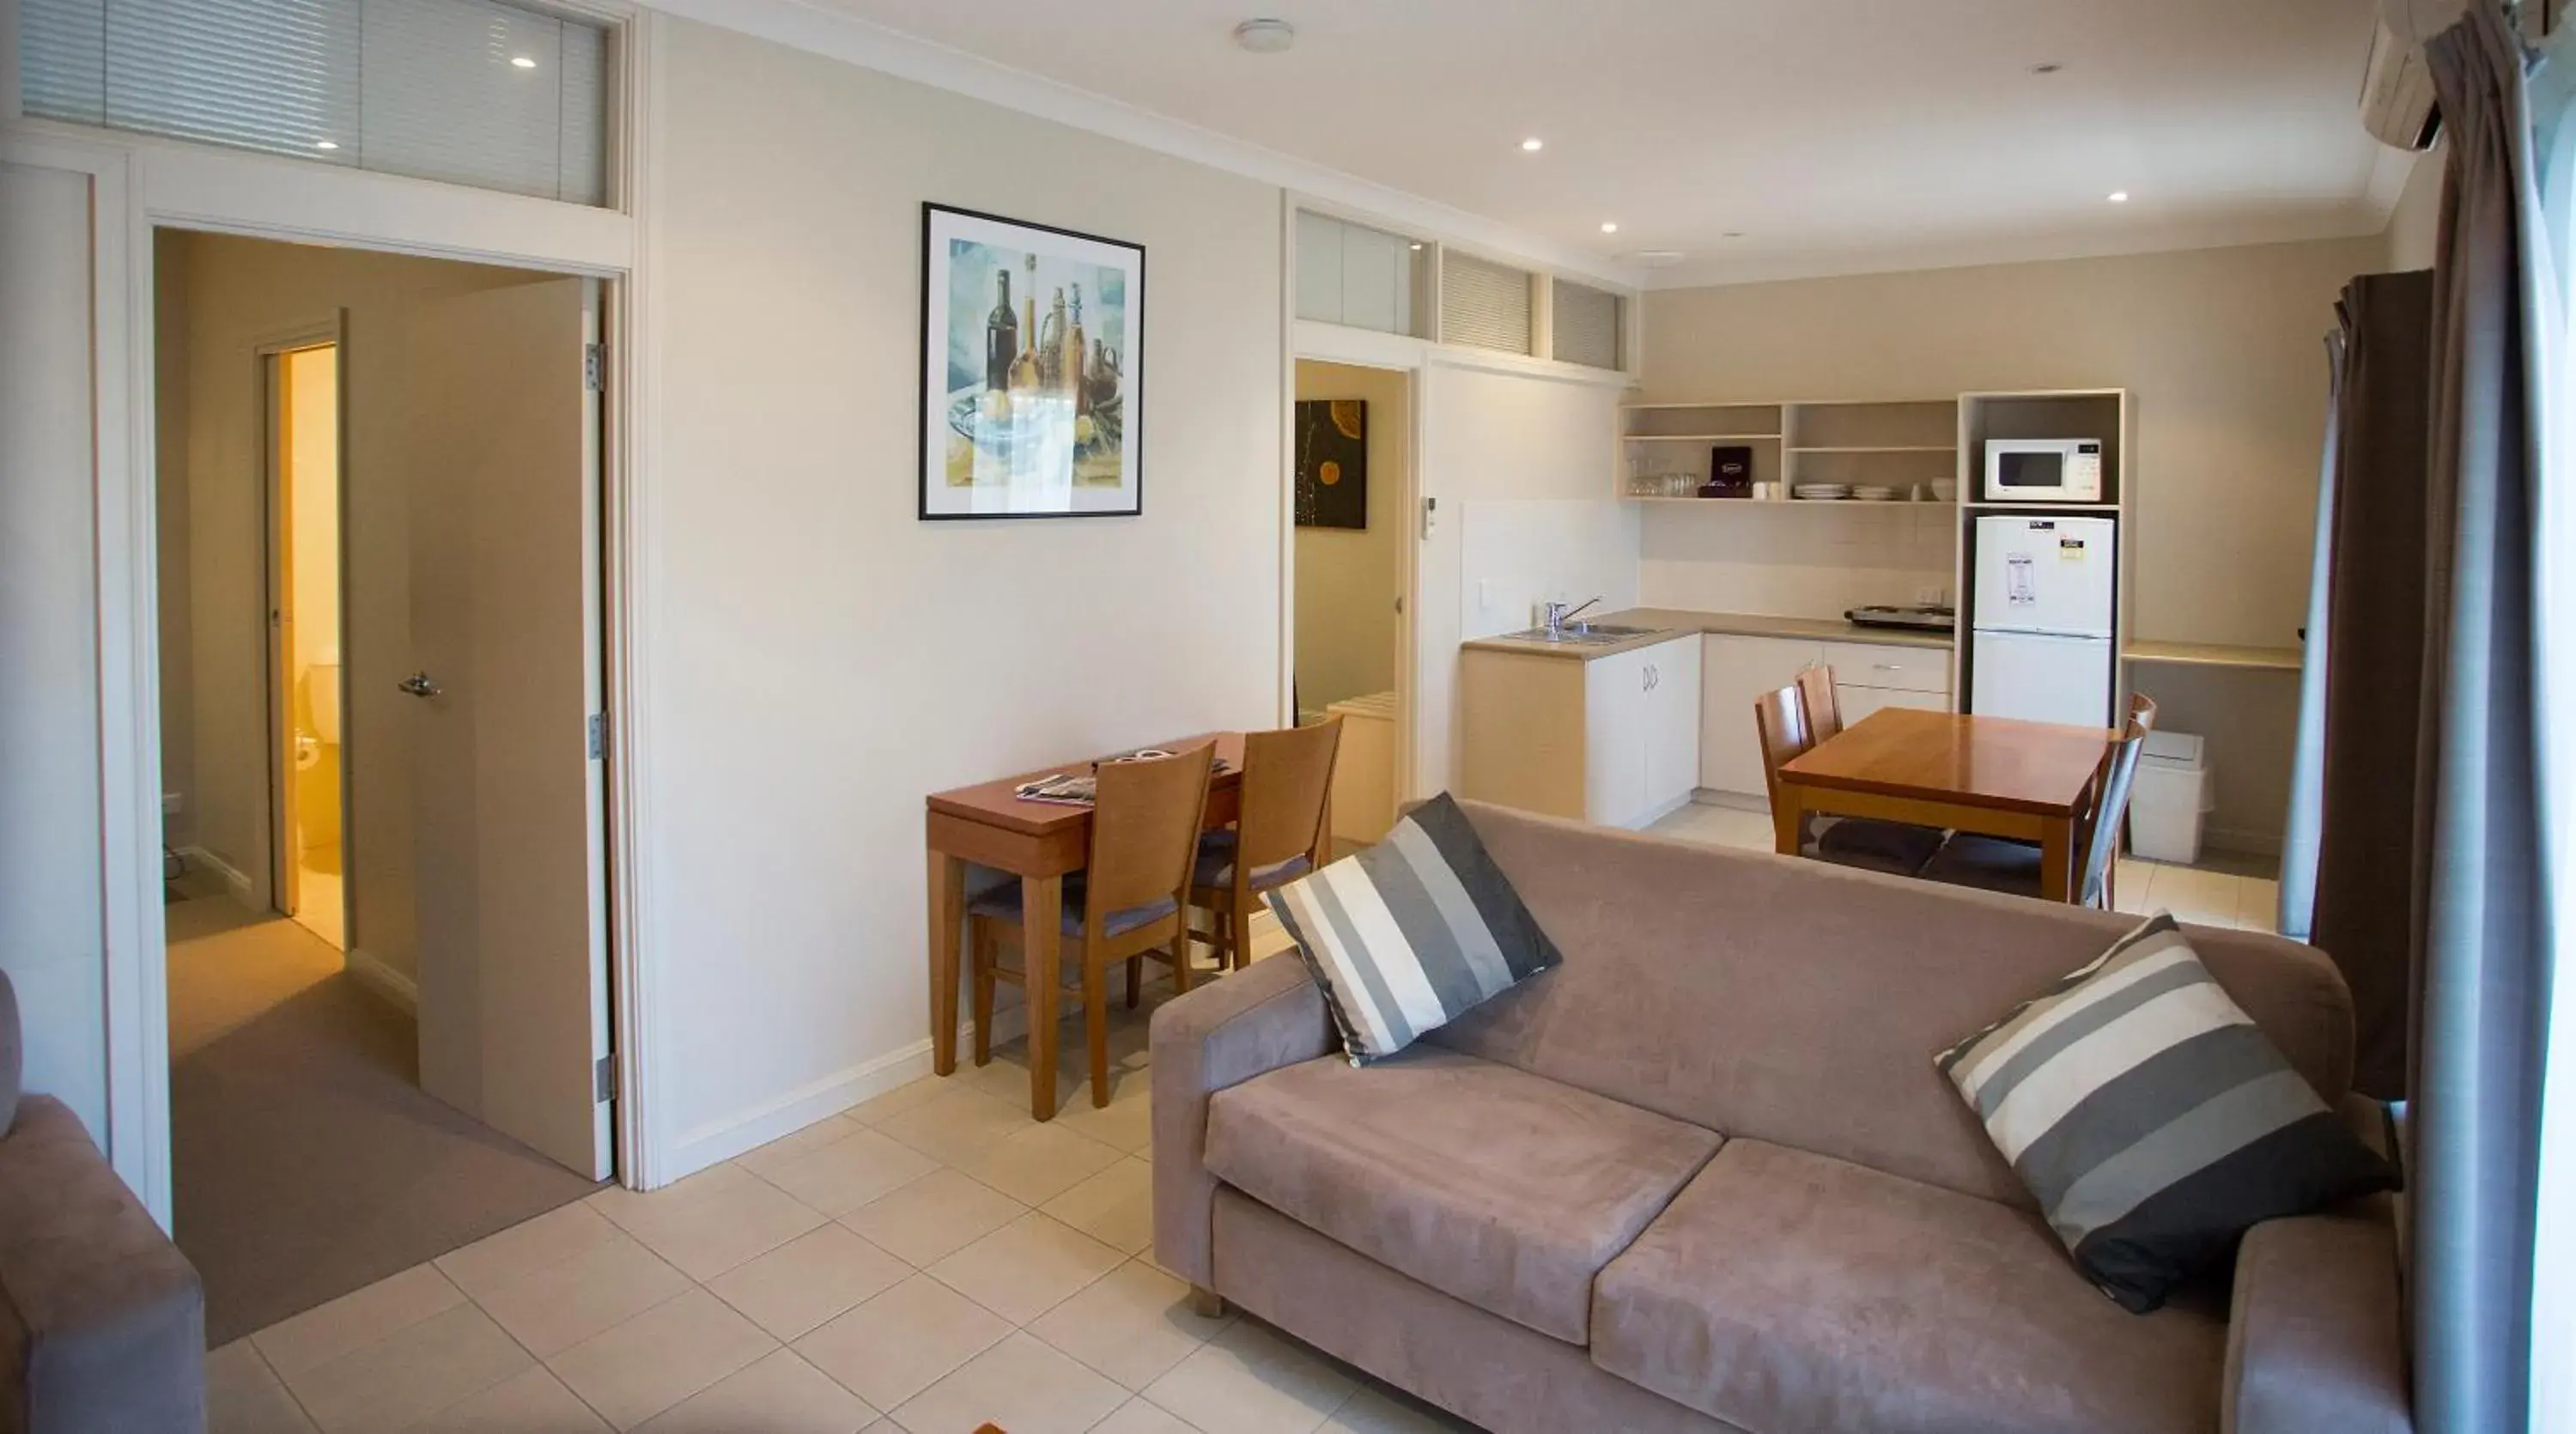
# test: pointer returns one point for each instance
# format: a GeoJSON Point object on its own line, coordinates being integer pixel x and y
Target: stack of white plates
{"type": "Point", "coordinates": [1814, 491]}
{"type": "Point", "coordinates": [1874, 493]}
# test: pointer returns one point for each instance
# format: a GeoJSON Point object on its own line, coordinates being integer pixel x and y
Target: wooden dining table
{"type": "Point", "coordinates": [1996, 776]}
{"type": "Point", "coordinates": [990, 825]}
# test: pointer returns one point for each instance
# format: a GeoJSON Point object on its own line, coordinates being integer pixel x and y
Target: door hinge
{"type": "Point", "coordinates": [594, 367]}
{"type": "Point", "coordinates": [603, 1079]}
{"type": "Point", "coordinates": [598, 735]}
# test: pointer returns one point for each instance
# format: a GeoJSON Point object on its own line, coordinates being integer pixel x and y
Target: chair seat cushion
{"type": "Point", "coordinates": [1897, 848]}
{"type": "Point", "coordinates": [1987, 863]}
{"type": "Point", "coordinates": [1002, 903]}
{"type": "Point", "coordinates": [1498, 1187]}
{"type": "Point", "coordinates": [1216, 865]}
{"type": "Point", "coordinates": [1784, 1290]}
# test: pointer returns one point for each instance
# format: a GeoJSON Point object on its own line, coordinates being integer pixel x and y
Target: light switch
{"type": "Point", "coordinates": [1484, 595]}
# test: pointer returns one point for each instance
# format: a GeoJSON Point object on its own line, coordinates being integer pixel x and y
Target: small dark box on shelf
{"type": "Point", "coordinates": [1730, 473]}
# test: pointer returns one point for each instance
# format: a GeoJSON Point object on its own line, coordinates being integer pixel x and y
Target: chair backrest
{"type": "Point", "coordinates": [1824, 710]}
{"type": "Point", "coordinates": [2101, 835]}
{"type": "Point", "coordinates": [1287, 778]}
{"type": "Point", "coordinates": [2142, 711]}
{"type": "Point", "coordinates": [1145, 829]}
{"type": "Point", "coordinates": [1781, 720]}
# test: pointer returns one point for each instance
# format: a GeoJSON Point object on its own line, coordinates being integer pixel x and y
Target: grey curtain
{"type": "Point", "coordinates": [2481, 988]}
{"type": "Point", "coordinates": [2301, 831]}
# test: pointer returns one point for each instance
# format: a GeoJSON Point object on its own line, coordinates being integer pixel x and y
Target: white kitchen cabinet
{"type": "Point", "coordinates": [1672, 725]}
{"type": "Point", "coordinates": [1612, 740]}
{"type": "Point", "coordinates": [1859, 702]}
{"type": "Point", "coordinates": [1734, 672]}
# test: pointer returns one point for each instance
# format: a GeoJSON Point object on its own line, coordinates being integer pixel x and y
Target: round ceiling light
{"type": "Point", "coordinates": [1609, 227]}
{"type": "Point", "coordinates": [1265, 36]}
{"type": "Point", "coordinates": [2119, 196]}
{"type": "Point", "coordinates": [522, 62]}
{"type": "Point", "coordinates": [1533, 145]}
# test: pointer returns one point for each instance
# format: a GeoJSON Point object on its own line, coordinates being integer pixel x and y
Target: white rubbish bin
{"type": "Point", "coordinates": [2170, 799]}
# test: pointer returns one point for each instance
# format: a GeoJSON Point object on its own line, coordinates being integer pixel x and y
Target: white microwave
{"type": "Point", "coordinates": [2043, 470]}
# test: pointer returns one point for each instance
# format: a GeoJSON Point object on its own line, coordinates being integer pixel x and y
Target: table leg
{"type": "Point", "coordinates": [2057, 859]}
{"type": "Point", "coordinates": [1788, 815]}
{"type": "Point", "coordinates": [947, 913]}
{"type": "Point", "coordinates": [1042, 926]}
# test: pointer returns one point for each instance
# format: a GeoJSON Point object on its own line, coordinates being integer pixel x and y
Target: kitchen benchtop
{"type": "Point", "coordinates": [1669, 623]}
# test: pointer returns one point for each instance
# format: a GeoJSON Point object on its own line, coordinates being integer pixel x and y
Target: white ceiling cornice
{"type": "Point", "coordinates": [820, 29]}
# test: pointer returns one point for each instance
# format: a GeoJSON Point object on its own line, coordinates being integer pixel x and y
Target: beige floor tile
{"type": "Point", "coordinates": [555, 1236]}
{"type": "Point", "coordinates": [531, 1402]}
{"type": "Point", "coordinates": [1027, 1267]}
{"type": "Point", "coordinates": [2258, 903]}
{"type": "Point", "coordinates": [957, 1125]}
{"type": "Point", "coordinates": [1251, 1381]}
{"type": "Point", "coordinates": [896, 1101]}
{"type": "Point", "coordinates": [1115, 1207]}
{"type": "Point", "coordinates": [903, 1341]}
{"type": "Point", "coordinates": [245, 1396]}
{"type": "Point", "coordinates": [1133, 1325]}
{"type": "Point", "coordinates": [1381, 1411]}
{"type": "Point", "coordinates": [1126, 1123]}
{"type": "Point", "coordinates": [937, 1215]}
{"type": "Point", "coordinates": [326, 1332]}
{"type": "Point", "coordinates": [2132, 885]}
{"type": "Point", "coordinates": [793, 1289]}
{"type": "Point", "coordinates": [555, 1306]}
{"type": "Point", "coordinates": [1038, 1163]}
{"type": "Point", "coordinates": [2206, 898]}
{"type": "Point", "coordinates": [660, 1357]}
{"type": "Point", "coordinates": [712, 1221]}
{"type": "Point", "coordinates": [1139, 1416]}
{"type": "Point", "coordinates": [1022, 1386]}
{"type": "Point", "coordinates": [848, 1173]}
{"type": "Point", "coordinates": [813, 1137]}
{"type": "Point", "coordinates": [778, 1394]}
{"type": "Point", "coordinates": [1006, 1077]}
{"type": "Point", "coordinates": [409, 1374]}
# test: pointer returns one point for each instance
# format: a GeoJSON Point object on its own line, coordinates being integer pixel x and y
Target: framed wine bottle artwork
{"type": "Point", "coordinates": [1032, 370]}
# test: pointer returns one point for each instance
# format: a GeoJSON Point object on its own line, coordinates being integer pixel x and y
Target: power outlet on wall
{"type": "Point", "coordinates": [1930, 596]}
{"type": "Point", "coordinates": [171, 802]}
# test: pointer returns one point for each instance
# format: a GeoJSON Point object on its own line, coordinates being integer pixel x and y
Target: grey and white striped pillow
{"type": "Point", "coordinates": [1412, 933]}
{"type": "Point", "coordinates": [2153, 1120]}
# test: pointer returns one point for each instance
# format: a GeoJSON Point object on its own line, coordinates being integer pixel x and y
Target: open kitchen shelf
{"type": "Point", "coordinates": [2216, 654]}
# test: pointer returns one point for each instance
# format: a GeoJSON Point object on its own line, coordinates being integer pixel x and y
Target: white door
{"type": "Point", "coordinates": [2041, 679]}
{"type": "Point", "coordinates": [1615, 732]}
{"type": "Point", "coordinates": [508, 831]}
{"type": "Point", "coordinates": [1672, 720]}
{"type": "Point", "coordinates": [1733, 672]}
{"type": "Point", "coordinates": [2046, 574]}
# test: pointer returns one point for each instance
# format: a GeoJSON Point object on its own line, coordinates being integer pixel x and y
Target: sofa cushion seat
{"type": "Point", "coordinates": [1788, 1291]}
{"type": "Point", "coordinates": [1498, 1187]}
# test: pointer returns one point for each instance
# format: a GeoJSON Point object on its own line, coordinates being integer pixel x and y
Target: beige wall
{"type": "Point", "coordinates": [2222, 352]}
{"type": "Point", "coordinates": [820, 658]}
{"type": "Point", "coordinates": [170, 357]}
{"type": "Point", "coordinates": [1348, 582]}
{"type": "Point", "coordinates": [239, 294]}
{"type": "Point", "coordinates": [2410, 237]}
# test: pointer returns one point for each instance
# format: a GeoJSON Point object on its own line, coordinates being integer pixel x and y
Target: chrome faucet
{"type": "Point", "coordinates": [1558, 615]}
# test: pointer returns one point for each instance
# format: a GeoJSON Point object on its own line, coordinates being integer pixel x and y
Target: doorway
{"type": "Point", "coordinates": [380, 512]}
{"type": "Point", "coordinates": [1350, 581]}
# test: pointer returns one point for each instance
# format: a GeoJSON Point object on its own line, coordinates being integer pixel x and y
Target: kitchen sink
{"type": "Point", "coordinates": [1586, 633]}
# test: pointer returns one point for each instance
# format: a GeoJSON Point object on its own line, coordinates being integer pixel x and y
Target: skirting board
{"type": "Point", "coordinates": [372, 973]}
{"type": "Point", "coordinates": [233, 876]}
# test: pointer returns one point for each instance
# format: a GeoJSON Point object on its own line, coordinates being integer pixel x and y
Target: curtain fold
{"type": "Point", "coordinates": [2481, 955]}
{"type": "Point", "coordinates": [2301, 830]}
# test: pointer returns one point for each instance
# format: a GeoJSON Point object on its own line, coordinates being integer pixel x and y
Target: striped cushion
{"type": "Point", "coordinates": [1412, 933]}
{"type": "Point", "coordinates": [2152, 1119]}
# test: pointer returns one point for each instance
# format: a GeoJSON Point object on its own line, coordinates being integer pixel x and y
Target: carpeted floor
{"type": "Point", "coordinates": [307, 1161]}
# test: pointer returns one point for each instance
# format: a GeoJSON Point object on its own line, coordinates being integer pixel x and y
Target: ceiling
{"type": "Point", "coordinates": [1831, 136]}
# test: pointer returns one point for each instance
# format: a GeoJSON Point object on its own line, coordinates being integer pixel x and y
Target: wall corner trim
{"type": "Point", "coordinates": [383, 980]}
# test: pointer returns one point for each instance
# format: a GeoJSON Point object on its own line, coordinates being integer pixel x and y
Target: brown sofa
{"type": "Point", "coordinates": [102, 1321]}
{"type": "Point", "coordinates": [1705, 1177]}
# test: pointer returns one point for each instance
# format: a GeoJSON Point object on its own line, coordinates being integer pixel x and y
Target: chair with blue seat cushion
{"type": "Point", "coordinates": [1279, 836]}
{"type": "Point", "coordinates": [1781, 720]}
{"type": "Point", "coordinates": [1123, 905]}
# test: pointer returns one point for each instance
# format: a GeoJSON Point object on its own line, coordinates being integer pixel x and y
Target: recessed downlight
{"type": "Point", "coordinates": [523, 62]}
{"type": "Point", "coordinates": [2047, 67]}
{"type": "Point", "coordinates": [1656, 258]}
{"type": "Point", "coordinates": [326, 144]}
{"type": "Point", "coordinates": [1533, 145]}
{"type": "Point", "coordinates": [2119, 196]}
{"type": "Point", "coordinates": [1265, 36]}
{"type": "Point", "coordinates": [1609, 226]}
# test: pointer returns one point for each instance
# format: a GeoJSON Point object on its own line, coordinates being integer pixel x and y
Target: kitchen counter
{"type": "Point", "coordinates": [1669, 623]}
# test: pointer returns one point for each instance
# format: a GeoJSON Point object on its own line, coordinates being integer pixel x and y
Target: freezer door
{"type": "Point", "coordinates": [2041, 679]}
{"type": "Point", "coordinates": [2051, 575]}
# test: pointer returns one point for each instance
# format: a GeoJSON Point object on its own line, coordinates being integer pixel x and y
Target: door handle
{"type": "Point", "coordinates": [420, 685]}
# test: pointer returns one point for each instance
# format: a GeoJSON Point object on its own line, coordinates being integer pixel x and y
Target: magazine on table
{"type": "Point", "coordinates": [1082, 789]}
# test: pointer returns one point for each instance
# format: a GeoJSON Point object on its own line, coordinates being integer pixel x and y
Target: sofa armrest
{"type": "Point", "coordinates": [1264, 1017]}
{"type": "Point", "coordinates": [2315, 1338]}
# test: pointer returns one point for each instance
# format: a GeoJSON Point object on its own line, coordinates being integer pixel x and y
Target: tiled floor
{"type": "Point", "coordinates": [925, 1263]}
{"type": "Point", "coordinates": [2222, 891]}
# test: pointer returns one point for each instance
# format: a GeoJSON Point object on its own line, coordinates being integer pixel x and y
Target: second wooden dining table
{"type": "Point", "coordinates": [1995, 776]}
{"type": "Point", "coordinates": [991, 825]}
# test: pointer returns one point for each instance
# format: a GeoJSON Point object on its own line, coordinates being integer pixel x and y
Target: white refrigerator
{"type": "Point", "coordinates": [2041, 647]}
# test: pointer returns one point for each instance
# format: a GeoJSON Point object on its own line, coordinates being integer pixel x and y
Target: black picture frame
{"type": "Point", "coordinates": [938, 499]}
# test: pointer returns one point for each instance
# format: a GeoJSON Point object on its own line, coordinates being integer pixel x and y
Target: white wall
{"type": "Point", "coordinates": [1348, 581]}
{"type": "Point", "coordinates": [1793, 562]}
{"type": "Point", "coordinates": [2222, 351]}
{"type": "Point", "coordinates": [2410, 237]}
{"type": "Point", "coordinates": [51, 933]}
{"type": "Point", "coordinates": [234, 295]}
{"type": "Point", "coordinates": [822, 659]}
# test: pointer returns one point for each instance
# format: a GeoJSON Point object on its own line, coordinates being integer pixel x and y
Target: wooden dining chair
{"type": "Point", "coordinates": [1282, 833]}
{"type": "Point", "coordinates": [1125, 902]}
{"type": "Point", "coordinates": [1824, 709]}
{"type": "Point", "coordinates": [2002, 864]}
{"type": "Point", "coordinates": [1898, 848]}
